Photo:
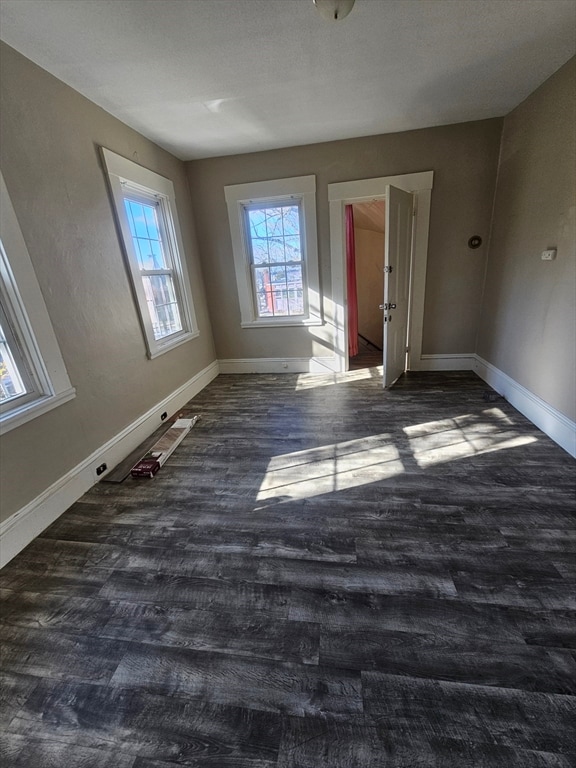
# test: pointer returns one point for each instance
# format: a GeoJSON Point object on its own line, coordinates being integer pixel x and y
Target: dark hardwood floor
{"type": "Point", "coordinates": [324, 575]}
{"type": "Point", "coordinates": [366, 358]}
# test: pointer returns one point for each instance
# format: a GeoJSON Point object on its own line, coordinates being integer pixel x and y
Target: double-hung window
{"type": "Point", "coordinates": [274, 241]}
{"type": "Point", "coordinates": [33, 377]}
{"type": "Point", "coordinates": [146, 214]}
{"type": "Point", "coordinates": [17, 384]}
{"type": "Point", "coordinates": [276, 263]}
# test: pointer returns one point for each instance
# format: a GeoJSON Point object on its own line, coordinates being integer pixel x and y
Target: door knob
{"type": "Point", "coordinates": [391, 306]}
{"type": "Point", "coordinates": [386, 306]}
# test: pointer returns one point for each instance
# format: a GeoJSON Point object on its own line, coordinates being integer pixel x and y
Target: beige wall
{"type": "Point", "coordinates": [369, 248]}
{"type": "Point", "coordinates": [464, 158]}
{"type": "Point", "coordinates": [49, 157]}
{"type": "Point", "coordinates": [528, 314]}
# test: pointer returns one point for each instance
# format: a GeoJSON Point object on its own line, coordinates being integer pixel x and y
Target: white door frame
{"type": "Point", "coordinates": [344, 193]}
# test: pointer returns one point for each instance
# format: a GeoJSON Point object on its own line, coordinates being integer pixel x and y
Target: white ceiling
{"type": "Point", "coordinates": [213, 77]}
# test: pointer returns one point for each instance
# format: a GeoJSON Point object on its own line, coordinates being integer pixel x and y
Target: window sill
{"type": "Point", "coordinates": [160, 349]}
{"type": "Point", "coordinates": [289, 323]}
{"type": "Point", "coordinates": [19, 416]}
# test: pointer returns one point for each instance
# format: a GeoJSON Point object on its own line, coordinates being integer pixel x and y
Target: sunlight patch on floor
{"type": "Point", "coordinates": [329, 468]}
{"type": "Point", "coordinates": [460, 437]}
{"type": "Point", "coordinates": [313, 381]}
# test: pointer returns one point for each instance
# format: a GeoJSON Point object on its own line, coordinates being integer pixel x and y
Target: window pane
{"type": "Point", "coordinates": [276, 249]}
{"type": "Point", "coordinates": [295, 302]}
{"type": "Point", "coordinates": [137, 219]}
{"type": "Point", "coordinates": [260, 251]}
{"type": "Point", "coordinates": [280, 298]}
{"type": "Point", "coordinates": [279, 293]}
{"type": "Point", "coordinates": [295, 289]}
{"type": "Point", "coordinates": [145, 253]}
{"type": "Point", "coordinates": [278, 277]}
{"type": "Point", "coordinates": [145, 229]}
{"type": "Point", "coordinates": [263, 292]}
{"type": "Point", "coordinates": [162, 304]}
{"type": "Point", "coordinates": [257, 221]}
{"type": "Point", "coordinates": [274, 222]}
{"type": "Point", "coordinates": [157, 254]}
{"type": "Point", "coordinates": [151, 222]}
{"type": "Point", "coordinates": [291, 220]}
{"type": "Point", "coordinates": [11, 384]}
{"type": "Point", "coordinates": [293, 248]}
{"type": "Point", "coordinates": [277, 230]}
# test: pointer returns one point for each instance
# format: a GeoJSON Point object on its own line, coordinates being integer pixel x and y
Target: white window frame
{"type": "Point", "coordinates": [29, 330]}
{"type": "Point", "coordinates": [300, 190]}
{"type": "Point", "coordinates": [125, 176]}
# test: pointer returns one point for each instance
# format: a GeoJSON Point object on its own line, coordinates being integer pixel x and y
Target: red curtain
{"type": "Point", "coordinates": [351, 281]}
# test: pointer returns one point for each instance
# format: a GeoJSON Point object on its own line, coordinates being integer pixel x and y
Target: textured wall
{"type": "Point", "coordinates": [51, 164]}
{"type": "Point", "coordinates": [464, 158]}
{"type": "Point", "coordinates": [528, 315]}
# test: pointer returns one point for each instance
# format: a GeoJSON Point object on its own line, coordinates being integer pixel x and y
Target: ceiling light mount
{"type": "Point", "coordinates": [334, 10]}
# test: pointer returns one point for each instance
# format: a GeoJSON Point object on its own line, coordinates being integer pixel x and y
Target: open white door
{"type": "Point", "coordinates": [397, 255]}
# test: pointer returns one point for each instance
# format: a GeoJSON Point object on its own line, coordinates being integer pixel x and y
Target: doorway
{"type": "Point", "coordinates": [368, 230]}
{"type": "Point", "coordinates": [419, 185]}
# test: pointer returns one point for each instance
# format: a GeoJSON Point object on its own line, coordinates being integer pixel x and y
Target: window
{"type": "Point", "coordinates": [273, 228]}
{"type": "Point", "coordinates": [146, 214]}
{"type": "Point", "coordinates": [275, 248]}
{"type": "Point", "coordinates": [16, 382]}
{"type": "Point", "coordinates": [33, 378]}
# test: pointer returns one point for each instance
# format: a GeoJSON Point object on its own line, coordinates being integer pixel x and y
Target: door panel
{"type": "Point", "coordinates": [397, 257]}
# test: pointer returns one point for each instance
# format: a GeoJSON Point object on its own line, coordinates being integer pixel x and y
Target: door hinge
{"type": "Point", "coordinates": [388, 269]}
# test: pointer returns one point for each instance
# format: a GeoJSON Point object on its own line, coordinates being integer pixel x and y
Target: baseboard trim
{"type": "Point", "coordinates": [446, 363]}
{"type": "Point", "coordinates": [556, 425]}
{"type": "Point", "coordinates": [24, 525]}
{"type": "Point", "coordinates": [279, 365]}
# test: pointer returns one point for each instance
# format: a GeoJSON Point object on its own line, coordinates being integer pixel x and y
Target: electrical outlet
{"type": "Point", "coordinates": [102, 468]}
{"type": "Point", "coordinates": [549, 254]}
{"type": "Point", "coordinates": [163, 416]}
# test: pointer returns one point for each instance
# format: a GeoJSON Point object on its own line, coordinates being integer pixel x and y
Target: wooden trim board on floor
{"type": "Point", "coordinates": [163, 448]}
{"type": "Point", "coordinates": [121, 471]}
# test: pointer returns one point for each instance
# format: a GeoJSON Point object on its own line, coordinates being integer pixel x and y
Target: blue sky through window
{"type": "Point", "coordinates": [143, 221]}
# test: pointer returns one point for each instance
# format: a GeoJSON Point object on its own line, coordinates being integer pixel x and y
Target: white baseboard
{"type": "Point", "coordinates": [558, 427]}
{"type": "Point", "coordinates": [445, 363]}
{"type": "Point", "coordinates": [24, 525]}
{"type": "Point", "coordinates": [279, 365]}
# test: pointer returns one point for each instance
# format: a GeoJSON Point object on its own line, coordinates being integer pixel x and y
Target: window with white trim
{"type": "Point", "coordinates": [17, 383]}
{"type": "Point", "coordinates": [145, 209]}
{"type": "Point", "coordinates": [274, 241]}
{"type": "Point", "coordinates": [33, 377]}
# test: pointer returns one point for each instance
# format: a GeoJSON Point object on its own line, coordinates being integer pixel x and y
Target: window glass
{"type": "Point", "coordinates": [276, 256]}
{"type": "Point", "coordinates": [11, 384]}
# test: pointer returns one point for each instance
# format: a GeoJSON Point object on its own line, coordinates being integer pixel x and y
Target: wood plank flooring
{"type": "Point", "coordinates": [324, 575]}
